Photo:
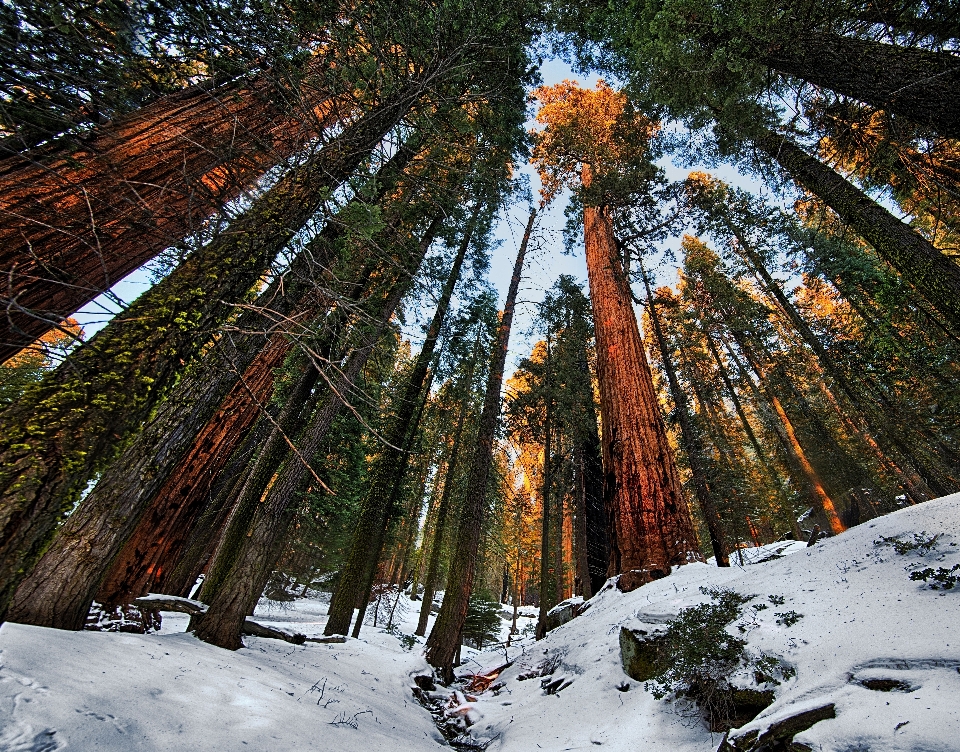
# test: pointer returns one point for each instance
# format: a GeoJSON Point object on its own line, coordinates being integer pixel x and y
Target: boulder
{"type": "Point", "coordinates": [642, 654]}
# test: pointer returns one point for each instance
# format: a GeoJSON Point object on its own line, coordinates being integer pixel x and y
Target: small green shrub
{"type": "Point", "coordinates": [922, 543]}
{"type": "Point", "coordinates": [776, 600]}
{"type": "Point", "coordinates": [942, 578]}
{"type": "Point", "coordinates": [788, 618]}
{"type": "Point", "coordinates": [483, 621]}
{"type": "Point", "coordinates": [702, 656]}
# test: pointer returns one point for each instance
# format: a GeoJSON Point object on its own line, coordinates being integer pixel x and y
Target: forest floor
{"type": "Point", "coordinates": [844, 615]}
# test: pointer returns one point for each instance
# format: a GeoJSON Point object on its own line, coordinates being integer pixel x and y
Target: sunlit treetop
{"type": "Point", "coordinates": [588, 136]}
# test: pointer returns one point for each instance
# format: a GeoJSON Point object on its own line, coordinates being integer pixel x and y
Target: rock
{"type": "Point", "coordinates": [778, 736]}
{"type": "Point", "coordinates": [629, 581]}
{"type": "Point", "coordinates": [565, 611]}
{"type": "Point", "coordinates": [642, 654]}
{"type": "Point", "coordinates": [425, 682]}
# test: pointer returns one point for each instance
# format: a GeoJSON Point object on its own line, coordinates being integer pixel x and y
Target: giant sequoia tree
{"type": "Point", "coordinates": [594, 136]}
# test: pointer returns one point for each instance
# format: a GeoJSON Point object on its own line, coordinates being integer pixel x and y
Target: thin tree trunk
{"type": "Point", "coordinates": [916, 84]}
{"type": "Point", "coordinates": [651, 525]}
{"type": "Point", "coordinates": [440, 525]}
{"type": "Point", "coordinates": [444, 640]}
{"type": "Point", "coordinates": [64, 430]}
{"type": "Point", "coordinates": [387, 474]}
{"type": "Point", "coordinates": [75, 224]}
{"type": "Point", "coordinates": [547, 585]}
{"type": "Point", "coordinates": [935, 277]}
{"type": "Point", "coordinates": [690, 436]}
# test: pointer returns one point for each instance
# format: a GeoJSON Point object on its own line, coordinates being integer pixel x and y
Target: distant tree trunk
{"type": "Point", "coordinates": [444, 640]}
{"type": "Point", "coordinates": [651, 529]}
{"type": "Point", "coordinates": [589, 468]}
{"type": "Point", "coordinates": [695, 450]}
{"type": "Point", "coordinates": [356, 575]}
{"type": "Point", "coordinates": [862, 416]}
{"type": "Point", "coordinates": [548, 596]}
{"type": "Point", "coordinates": [935, 276]}
{"type": "Point", "coordinates": [75, 224]}
{"type": "Point", "coordinates": [916, 84]}
{"type": "Point", "coordinates": [110, 386]}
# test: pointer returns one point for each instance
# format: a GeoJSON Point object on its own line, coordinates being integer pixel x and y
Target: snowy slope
{"type": "Point", "coordinates": [862, 618]}
{"type": "Point", "coordinates": [171, 692]}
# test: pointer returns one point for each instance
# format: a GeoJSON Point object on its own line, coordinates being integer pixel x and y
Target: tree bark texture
{"type": "Point", "coordinates": [258, 551]}
{"type": "Point", "coordinates": [935, 277]}
{"type": "Point", "coordinates": [917, 84]}
{"type": "Point", "coordinates": [69, 426]}
{"type": "Point", "coordinates": [59, 591]}
{"type": "Point", "coordinates": [692, 444]}
{"type": "Point", "coordinates": [356, 575]}
{"type": "Point", "coordinates": [650, 525]}
{"type": "Point", "coordinates": [75, 224]}
{"type": "Point", "coordinates": [444, 639]}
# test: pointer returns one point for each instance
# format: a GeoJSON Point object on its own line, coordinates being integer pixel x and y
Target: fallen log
{"type": "Point", "coordinates": [161, 602]}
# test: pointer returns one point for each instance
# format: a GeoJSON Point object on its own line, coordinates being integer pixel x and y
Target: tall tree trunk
{"type": "Point", "coordinates": [582, 585]}
{"type": "Point", "coordinates": [146, 503]}
{"type": "Point", "coordinates": [68, 427]}
{"type": "Point", "coordinates": [444, 639]}
{"type": "Point", "coordinates": [692, 444]}
{"type": "Point", "coordinates": [243, 580]}
{"type": "Point", "coordinates": [59, 591]}
{"type": "Point", "coordinates": [864, 421]}
{"type": "Point", "coordinates": [916, 84]}
{"type": "Point", "coordinates": [589, 461]}
{"type": "Point", "coordinates": [548, 594]}
{"type": "Point", "coordinates": [387, 474]}
{"type": "Point", "coordinates": [74, 224]}
{"type": "Point", "coordinates": [935, 277]}
{"type": "Point", "coordinates": [443, 509]}
{"type": "Point", "coordinates": [651, 525]}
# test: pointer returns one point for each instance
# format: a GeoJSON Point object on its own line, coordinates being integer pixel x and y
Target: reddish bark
{"type": "Point", "coordinates": [74, 224]}
{"type": "Point", "coordinates": [650, 525]}
{"type": "Point", "coordinates": [160, 538]}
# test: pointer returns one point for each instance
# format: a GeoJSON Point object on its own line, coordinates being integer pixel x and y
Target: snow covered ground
{"type": "Point", "coordinates": [859, 618]}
